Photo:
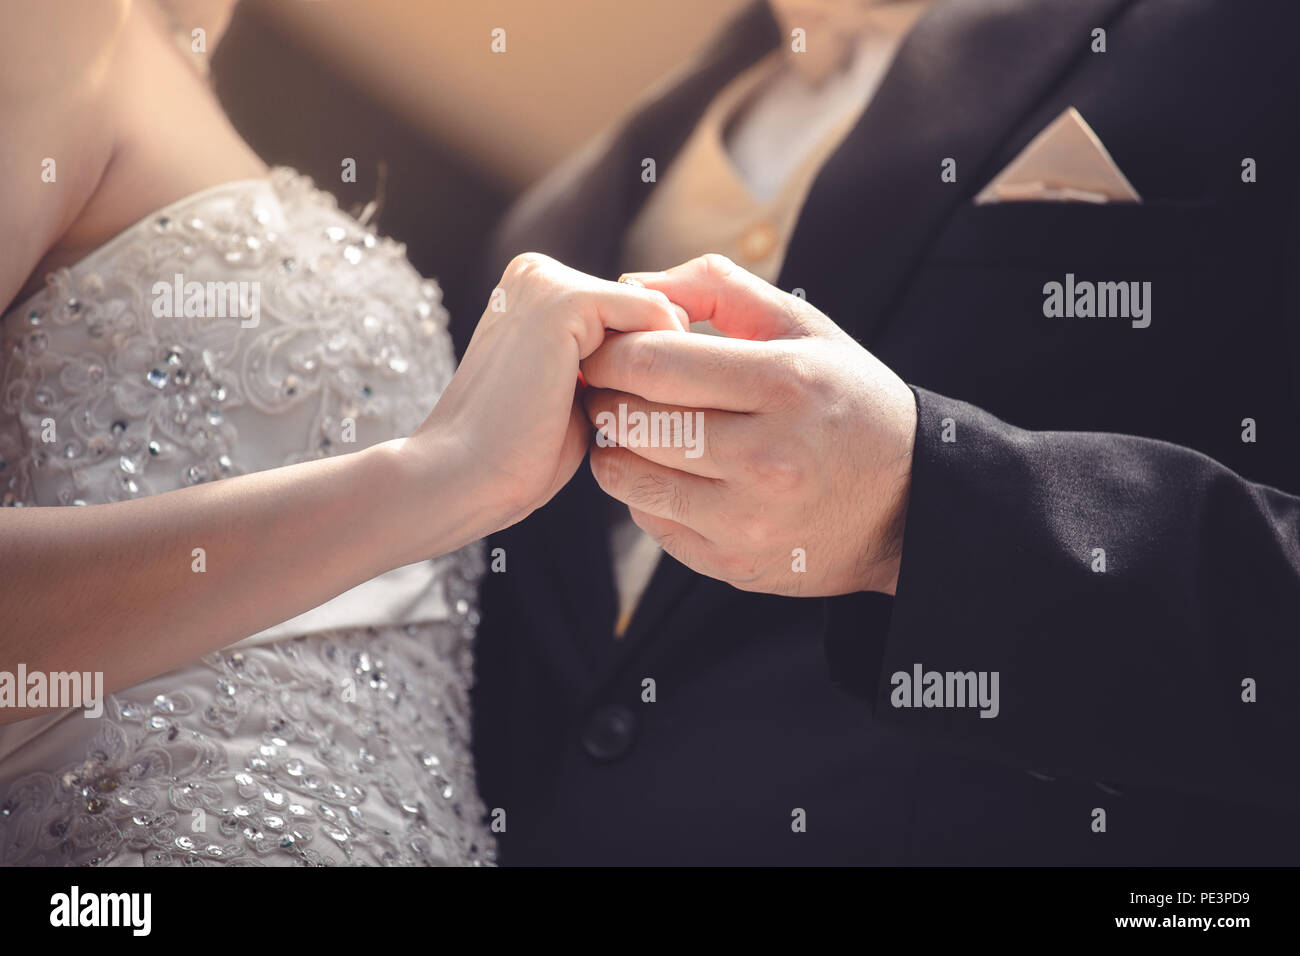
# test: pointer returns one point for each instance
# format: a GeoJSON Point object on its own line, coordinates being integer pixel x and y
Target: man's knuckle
{"type": "Point", "coordinates": [644, 358]}
{"type": "Point", "coordinates": [678, 504]}
{"type": "Point", "coordinates": [802, 371]}
{"type": "Point", "coordinates": [760, 532]}
{"type": "Point", "coordinates": [716, 266]}
{"type": "Point", "coordinates": [525, 263]}
{"type": "Point", "coordinates": [788, 379]}
{"type": "Point", "coordinates": [740, 568]}
{"type": "Point", "coordinates": [660, 495]}
{"type": "Point", "coordinates": [779, 384]}
{"type": "Point", "coordinates": [669, 541]}
{"type": "Point", "coordinates": [774, 468]}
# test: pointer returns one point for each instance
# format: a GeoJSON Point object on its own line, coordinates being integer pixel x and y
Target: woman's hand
{"type": "Point", "coordinates": [509, 417]}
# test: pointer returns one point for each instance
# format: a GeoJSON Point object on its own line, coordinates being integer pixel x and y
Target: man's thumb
{"type": "Point", "coordinates": [737, 303]}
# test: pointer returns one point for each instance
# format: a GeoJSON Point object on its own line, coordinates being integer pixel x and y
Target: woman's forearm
{"type": "Point", "coordinates": [136, 588]}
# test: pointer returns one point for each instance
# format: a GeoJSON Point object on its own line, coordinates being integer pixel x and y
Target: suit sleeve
{"type": "Point", "coordinates": [1138, 601]}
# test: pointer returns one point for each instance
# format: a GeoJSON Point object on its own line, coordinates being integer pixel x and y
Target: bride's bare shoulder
{"type": "Point", "coordinates": [51, 47]}
{"type": "Point", "coordinates": [55, 64]}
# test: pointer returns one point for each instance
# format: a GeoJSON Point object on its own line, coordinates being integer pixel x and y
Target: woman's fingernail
{"type": "Point", "coordinates": [638, 278]}
{"type": "Point", "coordinates": [628, 280]}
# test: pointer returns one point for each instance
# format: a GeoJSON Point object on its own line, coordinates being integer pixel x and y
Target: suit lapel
{"type": "Point", "coordinates": [968, 71]}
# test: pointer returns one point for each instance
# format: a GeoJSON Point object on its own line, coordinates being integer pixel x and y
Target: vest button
{"type": "Point", "coordinates": [609, 733]}
{"type": "Point", "coordinates": [758, 241]}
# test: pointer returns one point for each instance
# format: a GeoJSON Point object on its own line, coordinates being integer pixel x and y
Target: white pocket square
{"type": "Point", "coordinates": [1066, 162]}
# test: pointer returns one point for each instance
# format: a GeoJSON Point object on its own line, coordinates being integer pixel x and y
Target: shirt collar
{"type": "Point", "coordinates": [833, 28]}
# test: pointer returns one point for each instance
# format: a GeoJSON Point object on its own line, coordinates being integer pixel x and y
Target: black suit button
{"type": "Point", "coordinates": [609, 732]}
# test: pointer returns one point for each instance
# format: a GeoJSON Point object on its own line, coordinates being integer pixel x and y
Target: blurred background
{"type": "Point", "coordinates": [445, 132]}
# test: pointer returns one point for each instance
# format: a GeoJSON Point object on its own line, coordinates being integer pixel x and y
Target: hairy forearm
{"type": "Point", "coordinates": [124, 589]}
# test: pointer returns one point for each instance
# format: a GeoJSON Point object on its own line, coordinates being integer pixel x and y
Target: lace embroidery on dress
{"type": "Point", "coordinates": [106, 400]}
{"type": "Point", "coordinates": [342, 747]}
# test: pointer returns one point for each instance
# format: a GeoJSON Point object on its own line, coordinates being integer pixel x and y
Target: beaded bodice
{"type": "Point", "coordinates": [249, 326]}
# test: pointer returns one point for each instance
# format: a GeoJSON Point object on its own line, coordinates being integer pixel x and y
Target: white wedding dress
{"type": "Point", "coordinates": [339, 737]}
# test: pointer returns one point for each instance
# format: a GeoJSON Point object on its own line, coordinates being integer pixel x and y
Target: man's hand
{"type": "Point", "coordinates": [801, 486]}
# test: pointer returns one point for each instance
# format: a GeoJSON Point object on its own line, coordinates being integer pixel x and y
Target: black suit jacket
{"type": "Point", "coordinates": [1119, 690]}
